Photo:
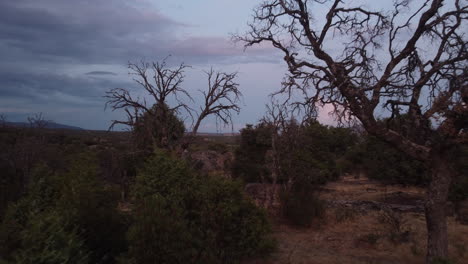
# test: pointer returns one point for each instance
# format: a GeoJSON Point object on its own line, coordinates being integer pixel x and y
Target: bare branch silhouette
{"type": "Point", "coordinates": [221, 99]}
{"type": "Point", "coordinates": [411, 60]}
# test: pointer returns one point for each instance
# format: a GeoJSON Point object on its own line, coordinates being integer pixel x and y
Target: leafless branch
{"type": "Point", "coordinates": [358, 82]}
{"type": "Point", "coordinates": [221, 99]}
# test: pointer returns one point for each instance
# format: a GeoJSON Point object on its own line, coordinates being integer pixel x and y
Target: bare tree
{"type": "Point", "coordinates": [3, 121]}
{"type": "Point", "coordinates": [160, 82]}
{"type": "Point", "coordinates": [38, 121]}
{"type": "Point", "coordinates": [410, 60]}
{"type": "Point", "coordinates": [221, 99]}
{"type": "Point", "coordinates": [276, 119]}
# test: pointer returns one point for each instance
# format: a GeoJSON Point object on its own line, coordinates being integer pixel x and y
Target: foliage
{"type": "Point", "coordinates": [384, 163]}
{"type": "Point", "coordinates": [66, 217]}
{"type": "Point", "coordinates": [380, 63]}
{"type": "Point", "coordinates": [45, 239]}
{"type": "Point", "coordinates": [459, 187]}
{"type": "Point", "coordinates": [300, 206]}
{"type": "Point", "coordinates": [250, 158]}
{"type": "Point", "coordinates": [308, 151]}
{"type": "Point", "coordinates": [183, 217]}
{"type": "Point", "coordinates": [312, 153]}
{"type": "Point", "coordinates": [159, 127]}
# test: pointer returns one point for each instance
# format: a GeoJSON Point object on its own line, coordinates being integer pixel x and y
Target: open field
{"type": "Point", "coordinates": [351, 235]}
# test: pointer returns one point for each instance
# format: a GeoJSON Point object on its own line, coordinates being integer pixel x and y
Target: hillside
{"type": "Point", "coordinates": [47, 124]}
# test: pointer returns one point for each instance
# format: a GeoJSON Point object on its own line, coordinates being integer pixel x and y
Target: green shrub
{"type": "Point", "coordinates": [250, 161]}
{"type": "Point", "coordinates": [181, 217]}
{"type": "Point", "coordinates": [159, 126]}
{"type": "Point", "coordinates": [91, 206]}
{"type": "Point", "coordinates": [386, 164]}
{"type": "Point", "coordinates": [459, 187]}
{"type": "Point", "coordinates": [46, 239]}
{"type": "Point", "coordinates": [300, 206]}
{"type": "Point", "coordinates": [66, 217]}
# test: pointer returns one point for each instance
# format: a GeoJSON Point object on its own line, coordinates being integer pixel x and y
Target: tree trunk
{"type": "Point", "coordinates": [195, 128]}
{"type": "Point", "coordinates": [437, 195]}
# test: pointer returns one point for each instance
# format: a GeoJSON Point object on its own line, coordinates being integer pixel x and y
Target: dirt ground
{"type": "Point", "coordinates": [351, 235]}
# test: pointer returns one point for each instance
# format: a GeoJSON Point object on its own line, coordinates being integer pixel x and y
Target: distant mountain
{"type": "Point", "coordinates": [48, 124]}
{"type": "Point", "coordinates": [211, 134]}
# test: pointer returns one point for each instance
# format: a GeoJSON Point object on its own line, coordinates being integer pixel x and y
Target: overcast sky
{"type": "Point", "coordinates": [59, 57]}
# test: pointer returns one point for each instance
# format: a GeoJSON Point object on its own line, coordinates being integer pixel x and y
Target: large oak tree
{"type": "Point", "coordinates": [408, 60]}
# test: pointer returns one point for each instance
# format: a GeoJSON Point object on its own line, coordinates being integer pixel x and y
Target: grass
{"type": "Point", "coordinates": [352, 237]}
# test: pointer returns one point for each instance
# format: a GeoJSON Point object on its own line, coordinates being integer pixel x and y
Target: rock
{"type": "Point", "coordinates": [210, 160]}
{"type": "Point", "coordinates": [364, 206]}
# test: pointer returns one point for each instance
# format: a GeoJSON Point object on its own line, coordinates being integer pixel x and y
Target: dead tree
{"type": "Point", "coordinates": [276, 119]}
{"type": "Point", "coordinates": [38, 121]}
{"type": "Point", "coordinates": [221, 99]}
{"type": "Point", "coordinates": [410, 60]}
{"type": "Point", "coordinates": [3, 121]}
{"type": "Point", "coordinates": [160, 82]}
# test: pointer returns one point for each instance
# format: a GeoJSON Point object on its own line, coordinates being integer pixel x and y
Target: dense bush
{"type": "Point", "coordinates": [384, 163]}
{"type": "Point", "coordinates": [66, 217]}
{"type": "Point", "coordinates": [48, 239]}
{"type": "Point", "coordinates": [159, 127]}
{"type": "Point", "coordinates": [181, 217]}
{"type": "Point", "coordinates": [310, 150]}
{"type": "Point", "coordinates": [303, 157]}
{"type": "Point", "coordinates": [459, 187]}
{"type": "Point", "coordinates": [250, 158]}
{"type": "Point", "coordinates": [300, 204]}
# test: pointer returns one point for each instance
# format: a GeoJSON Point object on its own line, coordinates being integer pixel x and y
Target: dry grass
{"type": "Point", "coordinates": [361, 237]}
{"type": "Point", "coordinates": [349, 188]}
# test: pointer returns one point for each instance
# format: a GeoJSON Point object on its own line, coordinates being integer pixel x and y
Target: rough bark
{"type": "Point", "coordinates": [435, 210]}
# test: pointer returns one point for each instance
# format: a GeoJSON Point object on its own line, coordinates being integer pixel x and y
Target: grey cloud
{"type": "Point", "coordinates": [105, 32]}
{"type": "Point", "coordinates": [101, 73]}
{"type": "Point", "coordinates": [62, 98]}
{"type": "Point", "coordinates": [45, 45]}
{"type": "Point", "coordinates": [57, 88]}
{"type": "Point", "coordinates": [82, 31]}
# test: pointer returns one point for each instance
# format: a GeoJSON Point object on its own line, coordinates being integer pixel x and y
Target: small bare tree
{"type": "Point", "coordinates": [221, 99]}
{"type": "Point", "coordinates": [275, 118]}
{"type": "Point", "coordinates": [38, 121]}
{"type": "Point", "coordinates": [410, 60]}
{"type": "Point", "coordinates": [3, 121]}
{"type": "Point", "coordinates": [160, 83]}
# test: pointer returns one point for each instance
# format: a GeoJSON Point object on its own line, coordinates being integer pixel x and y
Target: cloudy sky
{"type": "Point", "coordinates": [59, 57]}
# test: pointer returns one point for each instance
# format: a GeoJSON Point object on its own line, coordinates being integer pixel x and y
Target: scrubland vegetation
{"type": "Point", "coordinates": [387, 184]}
{"type": "Point", "coordinates": [94, 197]}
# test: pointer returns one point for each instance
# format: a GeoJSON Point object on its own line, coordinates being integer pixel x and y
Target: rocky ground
{"type": "Point", "coordinates": [365, 222]}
